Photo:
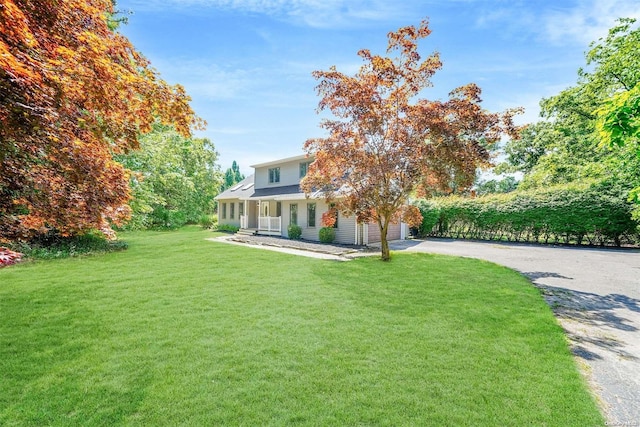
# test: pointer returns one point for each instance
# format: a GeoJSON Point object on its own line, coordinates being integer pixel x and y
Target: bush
{"type": "Point", "coordinates": [163, 218]}
{"type": "Point", "coordinates": [51, 246]}
{"type": "Point", "coordinates": [208, 221]}
{"type": "Point", "coordinates": [596, 213]}
{"type": "Point", "coordinates": [227, 228]}
{"type": "Point", "coordinates": [327, 234]}
{"type": "Point", "coordinates": [294, 231]}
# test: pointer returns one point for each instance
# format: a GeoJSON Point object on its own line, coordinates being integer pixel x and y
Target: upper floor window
{"type": "Point", "coordinates": [274, 175]}
{"type": "Point", "coordinates": [304, 168]}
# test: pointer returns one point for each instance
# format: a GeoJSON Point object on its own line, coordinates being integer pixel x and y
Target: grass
{"type": "Point", "coordinates": [182, 331]}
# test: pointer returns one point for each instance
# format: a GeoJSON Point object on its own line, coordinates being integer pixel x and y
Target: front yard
{"type": "Point", "coordinates": [178, 330]}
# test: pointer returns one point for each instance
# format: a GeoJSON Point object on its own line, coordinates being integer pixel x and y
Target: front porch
{"type": "Point", "coordinates": [258, 217]}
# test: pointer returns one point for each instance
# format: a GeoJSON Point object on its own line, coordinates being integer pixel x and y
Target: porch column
{"type": "Point", "coordinates": [259, 209]}
{"type": "Point", "coordinates": [246, 214]}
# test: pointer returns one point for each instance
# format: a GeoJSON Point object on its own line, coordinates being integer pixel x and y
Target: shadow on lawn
{"type": "Point", "coordinates": [591, 311]}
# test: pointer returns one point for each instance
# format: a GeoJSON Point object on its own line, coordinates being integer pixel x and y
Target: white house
{"type": "Point", "coordinates": [270, 199]}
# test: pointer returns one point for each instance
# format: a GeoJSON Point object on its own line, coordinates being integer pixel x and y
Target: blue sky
{"type": "Point", "coordinates": [247, 63]}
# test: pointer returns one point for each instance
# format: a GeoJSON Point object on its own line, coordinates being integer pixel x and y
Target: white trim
{"type": "Point", "coordinates": [279, 161]}
{"type": "Point", "coordinates": [365, 234]}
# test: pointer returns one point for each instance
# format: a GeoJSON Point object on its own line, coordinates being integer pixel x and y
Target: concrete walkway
{"type": "Point", "coordinates": [594, 293]}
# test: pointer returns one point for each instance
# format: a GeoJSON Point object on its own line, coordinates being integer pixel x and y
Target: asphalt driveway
{"type": "Point", "coordinates": [595, 294]}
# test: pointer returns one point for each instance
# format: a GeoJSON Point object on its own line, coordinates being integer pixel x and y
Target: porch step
{"type": "Point", "coordinates": [247, 232]}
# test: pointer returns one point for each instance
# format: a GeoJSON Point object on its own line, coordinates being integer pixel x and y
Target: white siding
{"type": "Point", "coordinates": [289, 174]}
{"type": "Point", "coordinates": [228, 220]}
{"type": "Point", "coordinates": [310, 233]}
{"type": "Point", "coordinates": [346, 231]}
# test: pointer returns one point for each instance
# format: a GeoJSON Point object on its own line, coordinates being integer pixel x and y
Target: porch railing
{"type": "Point", "coordinates": [244, 221]}
{"type": "Point", "coordinates": [270, 224]}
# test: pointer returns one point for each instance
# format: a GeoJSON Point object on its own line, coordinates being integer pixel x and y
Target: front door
{"type": "Point", "coordinates": [265, 209]}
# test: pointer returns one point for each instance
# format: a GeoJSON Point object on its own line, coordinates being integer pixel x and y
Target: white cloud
{"type": "Point", "coordinates": [562, 23]}
{"type": "Point", "coordinates": [588, 20]}
{"type": "Point", "coordinates": [208, 80]}
{"type": "Point", "coordinates": [313, 13]}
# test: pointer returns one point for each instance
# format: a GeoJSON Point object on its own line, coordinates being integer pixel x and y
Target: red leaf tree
{"type": "Point", "coordinates": [385, 145]}
{"type": "Point", "coordinates": [73, 93]}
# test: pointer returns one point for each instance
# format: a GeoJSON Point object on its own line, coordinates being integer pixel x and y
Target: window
{"type": "Point", "coordinates": [304, 168]}
{"type": "Point", "coordinates": [240, 209]}
{"type": "Point", "coordinates": [224, 211]}
{"type": "Point", "coordinates": [278, 208]}
{"type": "Point", "coordinates": [274, 175]}
{"type": "Point", "coordinates": [311, 214]}
{"type": "Point", "coordinates": [232, 210]}
{"type": "Point", "coordinates": [293, 214]}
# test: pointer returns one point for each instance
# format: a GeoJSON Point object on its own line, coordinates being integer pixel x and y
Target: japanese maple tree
{"type": "Point", "coordinates": [73, 93]}
{"type": "Point", "coordinates": [385, 144]}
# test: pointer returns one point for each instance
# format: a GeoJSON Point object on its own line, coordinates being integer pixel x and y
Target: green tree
{"type": "Point", "coordinates": [505, 184]}
{"type": "Point", "coordinates": [174, 179]}
{"type": "Point", "coordinates": [570, 144]}
{"type": "Point", "coordinates": [618, 59]}
{"type": "Point", "coordinates": [232, 176]}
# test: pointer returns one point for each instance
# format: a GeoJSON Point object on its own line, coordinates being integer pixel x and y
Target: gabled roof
{"type": "Point", "coordinates": [242, 190]}
{"type": "Point", "coordinates": [245, 190]}
{"type": "Point", "coordinates": [279, 161]}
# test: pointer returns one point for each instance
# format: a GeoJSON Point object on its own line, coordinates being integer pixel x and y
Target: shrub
{"type": "Point", "coordinates": [595, 213]}
{"type": "Point", "coordinates": [227, 228]}
{"type": "Point", "coordinates": [51, 245]}
{"type": "Point", "coordinates": [208, 221]}
{"type": "Point", "coordinates": [327, 234]}
{"type": "Point", "coordinates": [294, 231]}
{"type": "Point", "coordinates": [171, 219]}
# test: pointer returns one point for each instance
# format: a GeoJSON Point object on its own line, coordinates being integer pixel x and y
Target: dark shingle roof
{"type": "Point", "coordinates": [241, 190]}
{"type": "Point", "coordinates": [245, 190]}
{"type": "Point", "coordinates": [276, 191]}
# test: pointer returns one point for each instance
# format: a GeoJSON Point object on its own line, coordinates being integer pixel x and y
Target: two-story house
{"type": "Point", "coordinates": [270, 199]}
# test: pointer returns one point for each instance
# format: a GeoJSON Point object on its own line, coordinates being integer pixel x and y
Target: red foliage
{"type": "Point", "coordinates": [329, 217]}
{"type": "Point", "coordinates": [9, 257]}
{"type": "Point", "coordinates": [385, 145]}
{"type": "Point", "coordinates": [73, 93]}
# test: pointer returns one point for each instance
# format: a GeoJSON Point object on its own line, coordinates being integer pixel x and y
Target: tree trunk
{"type": "Point", "coordinates": [384, 243]}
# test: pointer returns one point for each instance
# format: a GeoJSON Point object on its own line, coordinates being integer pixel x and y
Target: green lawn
{"type": "Point", "coordinates": [178, 330]}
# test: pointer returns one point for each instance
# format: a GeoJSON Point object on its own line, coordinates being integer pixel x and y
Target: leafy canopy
{"type": "Point", "coordinates": [384, 144]}
{"type": "Point", "coordinates": [590, 130]}
{"type": "Point", "coordinates": [572, 143]}
{"type": "Point", "coordinates": [73, 92]}
{"type": "Point", "coordinates": [174, 179]}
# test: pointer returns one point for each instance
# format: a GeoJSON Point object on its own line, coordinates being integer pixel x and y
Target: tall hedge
{"type": "Point", "coordinates": [588, 214]}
